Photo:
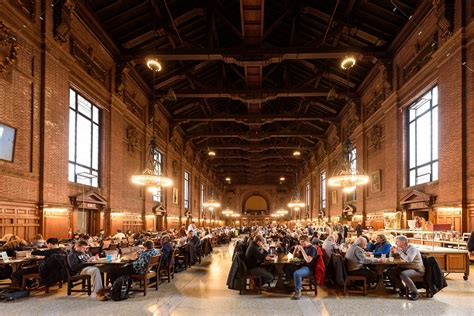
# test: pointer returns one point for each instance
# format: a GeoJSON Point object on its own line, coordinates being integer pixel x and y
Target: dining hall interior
{"type": "Point", "coordinates": [236, 157]}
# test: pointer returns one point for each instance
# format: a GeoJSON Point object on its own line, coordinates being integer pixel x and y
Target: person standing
{"type": "Point", "coordinates": [358, 229]}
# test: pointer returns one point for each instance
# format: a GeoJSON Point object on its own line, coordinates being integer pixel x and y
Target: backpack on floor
{"type": "Point", "coordinates": [120, 288]}
{"type": "Point", "coordinates": [12, 294]}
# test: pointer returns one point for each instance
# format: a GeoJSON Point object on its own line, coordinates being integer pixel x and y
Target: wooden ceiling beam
{"type": "Point", "coordinates": [253, 56]}
{"type": "Point", "coordinates": [255, 119]}
{"type": "Point", "coordinates": [256, 95]}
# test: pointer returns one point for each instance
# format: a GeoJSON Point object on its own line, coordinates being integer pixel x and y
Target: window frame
{"type": "Point", "coordinates": [323, 189]}
{"type": "Point", "coordinates": [186, 192]}
{"type": "Point", "coordinates": [93, 181]}
{"type": "Point", "coordinates": [414, 121]}
{"type": "Point", "coordinates": [308, 196]}
{"type": "Point", "coordinates": [352, 196]}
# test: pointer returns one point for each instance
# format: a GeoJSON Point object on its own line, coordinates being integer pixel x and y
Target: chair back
{"type": "Point", "coordinates": [113, 247]}
{"type": "Point", "coordinates": [153, 262]}
{"type": "Point", "coordinates": [94, 250]}
{"type": "Point", "coordinates": [67, 267]}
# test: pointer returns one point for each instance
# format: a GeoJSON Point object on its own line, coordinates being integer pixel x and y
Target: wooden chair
{"type": "Point", "coordinates": [183, 257]}
{"type": "Point", "coordinates": [354, 278]}
{"type": "Point", "coordinates": [36, 276]}
{"type": "Point", "coordinates": [308, 283]}
{"type": "Point", "coordinates": [78, 279]}
{"type": "Point", "coordinates": [168, 270]}
{"type": "Point", "coordinates": [144, 278]}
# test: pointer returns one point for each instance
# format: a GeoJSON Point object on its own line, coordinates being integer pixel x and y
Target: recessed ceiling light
{"type": "Point", "coordinates": [211, 153]}
{"type": "Point", "coordinates": [296, 153]}
{"type": "Point", "coordinates": [282, 178]}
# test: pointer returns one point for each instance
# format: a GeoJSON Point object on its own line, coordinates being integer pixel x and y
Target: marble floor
{"type": "Point", "coordinates": [201, 290]}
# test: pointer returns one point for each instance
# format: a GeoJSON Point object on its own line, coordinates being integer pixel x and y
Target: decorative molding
{"type": "Point", "coordinates": [375, 137]}
{"type": "Point", "coordinates": [27, 7]}
{"type": "Point", "coordinates": [132, 104]}
{"type": "Point", "coordinates": [423, 54]}
{"type": "Point", "coordinates": [444, 17]}
{"type": "Point", "coordinates": [375, 103]}
{"type": "Point", "coordinates": [62, 12]}
{"type": "Point", "coordinates": [133, 139]}
{"type": "Point", "coordinates": [8, 48]}
{"type": "Point", "coordinates": [85, 58]}
{"type": "Point", "coordinates": [121, 74]}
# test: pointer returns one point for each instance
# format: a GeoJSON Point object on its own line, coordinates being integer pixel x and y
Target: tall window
{"type": "Point", "coordinates": [351, 196]}
{"type": "Point", "coordinates": [202, 199]}
{"type": "Point", "coordinates": [84, 133]}
{"type": "Point", "coordinates": [186, 190]}
{"type": "Point", "coordinates": [323, 190]}
{"type": "Point", "coordinates": [158, 160]}
{"type": "Point", "coordinates": [423, 139]}
{"type": "Point", "coordinates": [308, 197]}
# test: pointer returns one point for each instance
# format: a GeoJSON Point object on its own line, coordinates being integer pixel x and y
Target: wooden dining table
{"type": "Point", "coordinates": [279, 261]}
{"type": "Point", "coordinates": [380, 267]}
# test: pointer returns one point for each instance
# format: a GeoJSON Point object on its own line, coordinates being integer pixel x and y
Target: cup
{"type": "Point", "coordinates": [109, 258]}
{"type": "Point", "coordinates": [391, 259]}
{"type": "Point", "coordinates": [384, 256]}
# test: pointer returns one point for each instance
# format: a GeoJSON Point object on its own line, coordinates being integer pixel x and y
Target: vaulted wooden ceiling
{"type": "Point", "coordinates": [252, 77]}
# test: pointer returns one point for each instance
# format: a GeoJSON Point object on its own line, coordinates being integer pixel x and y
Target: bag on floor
{"type": "Point", "coordinates": [120, 288]}
{"type": "Point", "coordinates": [12, 294]}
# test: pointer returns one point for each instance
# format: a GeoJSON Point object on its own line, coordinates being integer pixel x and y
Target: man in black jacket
{"type": "Point", "coordinates": [77, 261]}
{"type": "Point", "coordinates": [255, 256]}
{"type": "Point", "coordinates": [53, 248]}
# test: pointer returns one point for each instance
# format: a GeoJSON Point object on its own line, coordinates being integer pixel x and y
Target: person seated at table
{"type": "Point", "coordinates": [255, 255]}
{"type": "Point", "coordinates": [308, 253]}
{"type": "Point", "coordinates": [380, 247]}
{"type": "Point", "coordinates": [195, 242]}
{"type": "Point", "coordinates": [356, 261]}
{"type": "Point", "coordinates": [138, 266]}
{"type": "Point", "coordinates": [119, 235]}
{"type": "Point", "coordinates": [53, 248]}
{"type": "Point", "coordinates": [38, 241]}
{"type": "Point", "coordinates": [77, 260]}
{"type": "Point", "coordinates": [166, 251]}
{"type": "Point", "coordinates": [315, 239]}
{"type": "Point", "coordinates": [13, 245]}
{"type": "Point", "coordinates": [329, 245]}
{"type": "Point", "coordinates": [413, 267]}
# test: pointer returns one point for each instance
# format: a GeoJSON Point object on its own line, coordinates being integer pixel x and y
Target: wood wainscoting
{"type": "Point", "coordinates": [20, 220]}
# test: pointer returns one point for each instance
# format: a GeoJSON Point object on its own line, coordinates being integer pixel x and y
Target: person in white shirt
{"type": "Point", "coordinates": [192, 227]}
{"type": "Point", "coordinates": [119, 235]}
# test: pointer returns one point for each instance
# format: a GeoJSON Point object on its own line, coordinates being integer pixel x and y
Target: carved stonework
{"type": "Point", "coordinates": [375, 103]}
{"type": "Point", "coordinates": [444, 17]}
{"type": "Point", "coordinates": [375, 137]}
{"type": "Point", "coordinates": [27, 7]}
{"type": "Point", "coordinates": [120, 78]}
{"type": "Point", "coordinates": [133, 139]}
{"type": "Point", "coordinates": [175, 168]}
{"type": "Point", "coordinates": [132, 104]}
{"type": "Point", "coordinates": [385, 68]}
{"type": "Point", "coordinates": [62, 12]}
{"type": "Point", "coordinates": [84, 57]}
{"type": "Point", "coordinates": [8, 48]}
{"type": "Point", "coordinates": [423, 53]}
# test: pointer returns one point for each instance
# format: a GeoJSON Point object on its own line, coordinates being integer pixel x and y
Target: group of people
{"type": "Point", "coordinates": [79, 257]}
{"type": "Point", "coordinates": [360, 256]}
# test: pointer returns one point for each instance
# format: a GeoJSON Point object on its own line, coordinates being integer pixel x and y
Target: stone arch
{"type": "Point", "coordinates": [249, 194]}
